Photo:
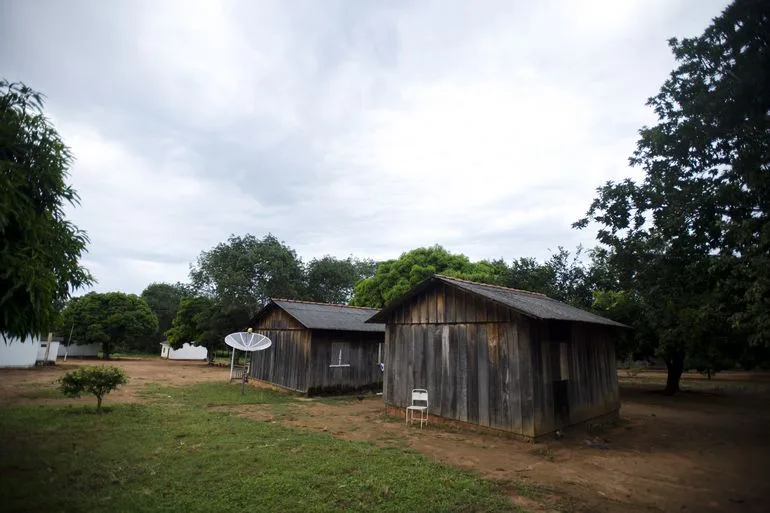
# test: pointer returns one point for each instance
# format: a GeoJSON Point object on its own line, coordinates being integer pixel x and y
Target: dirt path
{"type": "Point", "coordinates": [702, 451]}
{"type": "Point", "coordinates": [38, 385]}
{"type": "Point", "coordinates": [696, 452]}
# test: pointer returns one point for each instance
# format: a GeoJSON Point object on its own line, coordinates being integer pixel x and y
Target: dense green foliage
{"type": "Point", "coordinates": [96, 381]}
{"type": "Point", "coordinates": [394, 277]}
{"type": "Point", "coordinates": [176, 453]}
{"type": "Point", "coordinates": [690, 243]}
{"type": "Point", "coordinates": [563, 276]}
{"type": "Point", "coordinates": [163, 299]}
{"type": "Point", "coordinates": [113, 319]}
{"type": "Point", "coordinates": [205, 322]}
{"type": "Point", "coordinates": [40, 249]}
{"type": "Point", "coordinates": [244, 271]}
{"type": "Point", "coordinates": [331, 280]}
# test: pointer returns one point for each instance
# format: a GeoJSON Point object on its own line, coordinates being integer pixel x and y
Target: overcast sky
{"type": "Point", "coordinates": [353, 127]}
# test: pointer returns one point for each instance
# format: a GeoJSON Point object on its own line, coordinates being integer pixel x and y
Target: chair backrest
{"type": "Point", "coordinates": [420, 394]}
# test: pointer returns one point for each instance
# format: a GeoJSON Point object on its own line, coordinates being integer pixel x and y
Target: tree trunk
{"type": "Point", "coordinates": [98, 403]}
{"type": "Point", "coordinates": [105, 351]}
{"type": "Point", "coordinates": [675, 366]}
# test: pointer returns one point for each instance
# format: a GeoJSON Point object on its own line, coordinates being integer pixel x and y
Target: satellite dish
{"type": "Point", "coordinates": [247, 341]}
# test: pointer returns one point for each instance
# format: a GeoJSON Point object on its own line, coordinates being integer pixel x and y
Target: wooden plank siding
{"type": "Point", "coordinates": [447, 305]}
{"type": "Point", "coordinates": [360, 350]}
{"type": "Point", "coordinates": [285, 362]}
{"type": "Point", "coordinates": [299, 359]}
{"type": "Point", "coordinates": [593, 383]}
{"type": "Point", "coordinates": [585, 364]}
{"type": "Point", "coordinates": [485, 364]}
{"type": "Point", "coordinates": [467, 377]}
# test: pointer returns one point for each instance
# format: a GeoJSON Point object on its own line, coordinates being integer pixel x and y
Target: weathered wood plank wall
{"type": "Point", "coordinates": [447, 305]}
{"type": "Point", "coordinates": [285, 362]}
{"type": "Point", "coordinates": [359, 349]}
{"type": "Point", "coordinates": [470, 375]}
{"type": "Point", "coordinates": [575, 374]}
{"type": "Point", "coordinates": [485, 364]}
{"type": "Point", "coordinates": [593, 380]}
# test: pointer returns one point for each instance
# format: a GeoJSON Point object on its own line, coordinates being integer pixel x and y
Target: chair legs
{"type": "Point", "coordinates": [410, 417]}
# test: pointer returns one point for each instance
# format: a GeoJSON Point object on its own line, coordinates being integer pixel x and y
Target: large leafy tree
{"type": "Point", "coordinates": [113, 319]}
{"type": "Point", "coordinates": [244, 271]}
{"type": "Point", "coordinates": [331, 280]}
{"type": "Point", "coordinates": [690, 243]}
{"type": "Point", "coordinates": [564, 276]}
{"type": "Point", "coordinates": [394, 277]}
{"type": "Point", "coordinates": [205, 322]}
{"type": "Point", "coordinates": [163, 299]}
{"type": "Point", "coordinates": [40, 249]}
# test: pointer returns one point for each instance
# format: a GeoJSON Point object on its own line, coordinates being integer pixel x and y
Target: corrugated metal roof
{"type": "Point", "coordinates": [325, 316]}
{"type": "Point", "coordinates": [530, 304]}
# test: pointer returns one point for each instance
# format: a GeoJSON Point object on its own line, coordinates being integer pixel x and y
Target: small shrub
{"type": "Point", "coordinates": [98, 381]}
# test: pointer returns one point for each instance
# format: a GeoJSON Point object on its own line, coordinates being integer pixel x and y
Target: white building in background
{"type": "Point", "coordinates": [186, 352]}
{"type": "Point", "coordinates": [79, 350]}
{"type": "Point", "coordinates": [15, 352]}
{"type": "Point", "coordinates": [52, 353]}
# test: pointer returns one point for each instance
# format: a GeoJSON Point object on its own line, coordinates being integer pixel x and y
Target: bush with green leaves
{"type": "Point", "coordinates": [98, 381]}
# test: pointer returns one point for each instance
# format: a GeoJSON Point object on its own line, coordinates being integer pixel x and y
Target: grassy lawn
{"type": "Point", "coordinates": [175, 453]}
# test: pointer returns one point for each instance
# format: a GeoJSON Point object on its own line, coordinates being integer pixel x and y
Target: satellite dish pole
{"type": "Point", "coordinates": [232, 364]}
{"type": "Point", "coordinates": [249, 342]}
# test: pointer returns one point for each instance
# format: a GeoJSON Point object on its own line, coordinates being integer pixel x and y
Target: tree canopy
{"type": "Point", "coordinates": [244, 271]}
{"type": "Point", "coordinates": [331, 280]}
{"type": "Point", "coordinates": [563, 276]}
{"type": "Point", "coordinates": [690, 243]}
{"type": "Point", "coordinates": [40, 249]}
{"type": "Point", "coordinates": [163, 299]}
{"type": "Point", "coordinates": [394, 277]}
{"type": "Point", "coordinates": [205, 322]}
{"type": "Point", "coordinates": [113, 319]}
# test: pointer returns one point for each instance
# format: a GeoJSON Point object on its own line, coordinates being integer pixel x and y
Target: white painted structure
{"type": "Point", "coordinates": [186, 352]}
{"type": "Point", "coordinates": [15, 352]}
{"type": "Point", "coordinates": [52, 353]}
{"type": "Point", "coordinates": [79, 350]}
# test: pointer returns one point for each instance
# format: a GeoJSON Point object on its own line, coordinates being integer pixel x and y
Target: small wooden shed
{"type": "Point", "coordinates": [497, 357]}
{"type": "Point", "coordinates": [318, 348]}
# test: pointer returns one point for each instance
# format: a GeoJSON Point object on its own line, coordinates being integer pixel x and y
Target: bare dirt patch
{"type": "Point", "coordinates": [702, 450]}
{"type": "Point", "coordinates": [38, 385]}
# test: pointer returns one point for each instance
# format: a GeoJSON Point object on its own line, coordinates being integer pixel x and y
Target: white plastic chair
{"type": "Point", "coordinates": [419, 395]}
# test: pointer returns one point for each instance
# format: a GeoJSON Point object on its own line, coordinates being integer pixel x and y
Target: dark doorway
{"type": "Point", "coordinates": [561, 402]}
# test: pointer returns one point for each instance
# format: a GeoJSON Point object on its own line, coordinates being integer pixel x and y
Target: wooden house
{"type": "Point", "coordinates": [497, 357]}
{"type": "Point", "coordinates": [318, 348]}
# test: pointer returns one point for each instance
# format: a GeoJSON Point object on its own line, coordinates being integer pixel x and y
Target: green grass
{"type": "Point", "coordinates": [175, 453]}
{"type": "Point", "coordinates": [43, 393]}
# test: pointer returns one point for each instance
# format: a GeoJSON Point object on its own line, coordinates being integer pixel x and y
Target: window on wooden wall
{"type": "Point", "coordinates": [340, 356]}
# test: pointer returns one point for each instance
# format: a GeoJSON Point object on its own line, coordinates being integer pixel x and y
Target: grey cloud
{"type": "Point", "coordinates": [285, 121]}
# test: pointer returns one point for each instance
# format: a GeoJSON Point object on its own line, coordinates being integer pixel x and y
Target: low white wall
{"type": "Point", "coordinates": [52, 354]}
{"type": "Point", "coordinates": [186, 352]}
{"type": "Point", "coordinates": [17, 353]}
{"type": "Point", "coordinates": [79, 350]}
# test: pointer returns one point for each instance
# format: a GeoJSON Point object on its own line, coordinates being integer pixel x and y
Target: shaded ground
{"type": "Point", "coordinates": [702, 450]}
